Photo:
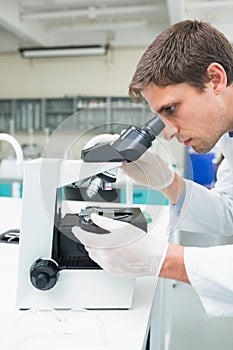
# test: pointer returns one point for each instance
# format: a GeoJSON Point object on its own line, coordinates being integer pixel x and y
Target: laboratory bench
{"type": "Point", "coordinates": [145, 326]}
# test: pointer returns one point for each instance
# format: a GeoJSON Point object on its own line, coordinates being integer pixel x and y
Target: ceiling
{"type": "Point", "coordinates": [119, 23]}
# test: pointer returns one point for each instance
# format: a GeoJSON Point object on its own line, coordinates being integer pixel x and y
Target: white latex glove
{"type": "Point", "coordinates": [126, 250]}
{"type": "Point", "coordinates": [102, 138]}
{"type": "Point", "coordinates": [150, 170]}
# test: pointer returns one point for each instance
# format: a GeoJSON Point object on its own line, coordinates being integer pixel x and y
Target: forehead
{"type": "Point", "coordinates": [160, 96]}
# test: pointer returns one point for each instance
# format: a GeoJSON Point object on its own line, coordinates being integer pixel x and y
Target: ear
{"type": "Point", "coordinates": [218, 76]}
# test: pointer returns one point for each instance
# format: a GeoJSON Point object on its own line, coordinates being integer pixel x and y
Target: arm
{"type": "Point", "coordinates": [151, 171]}
{"type": "Point", "coordinates": [210, 273]}
{"type": "Point", "coordinates": [216, 218]}
{"type": "Point", "coordinates": [173, 266]}
{"type": "Point", "coordinates": [128, 251]}
{"type": "Point", "coordinates": [209, 270]}
{"type": "Point", "coordinates": [174, 191]}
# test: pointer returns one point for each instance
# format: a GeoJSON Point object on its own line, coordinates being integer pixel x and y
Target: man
{"type": "Point", "coordinates": [185, 75]}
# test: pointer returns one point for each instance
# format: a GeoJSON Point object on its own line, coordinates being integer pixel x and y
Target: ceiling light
{"type": "Point", "coordinates": [97, 26]}
{"type": "Point", "coordinates": [64, 51]}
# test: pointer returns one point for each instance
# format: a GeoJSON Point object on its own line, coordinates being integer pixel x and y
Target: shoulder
{"type": "Point", "coordinates": [225, 142]}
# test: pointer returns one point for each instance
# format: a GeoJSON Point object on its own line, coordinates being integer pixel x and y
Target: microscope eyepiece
{"type": "Point", "coordinates": [154, 127]}
{"type": "Point", "coordinates": [131, 145]}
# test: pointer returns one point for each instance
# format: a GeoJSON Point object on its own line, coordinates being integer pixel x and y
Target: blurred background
{"type": "Point", "coordinates": [65, 67]}
{"type": "Point", "coordinates": [73, 57]}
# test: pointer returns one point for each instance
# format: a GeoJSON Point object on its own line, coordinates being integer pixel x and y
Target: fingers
{"type": "Point", "coordinates": [86, 238]}
{"type": "Point", "coordinates": [102, 138]}
{"type": "Point", "coordinates": [115, 137]}
{"type": "Point", "coordinates": [121, 233]}
{"type": "Point", "coordinates": [106, 262]}
{"type": "Point", "coordinates": [107, 223]}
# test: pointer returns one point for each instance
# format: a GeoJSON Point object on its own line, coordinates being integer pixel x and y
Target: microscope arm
{"type": "Point", "coordinates": [72, 171]}
{"type": "Point", "coordinates": [130, 145]}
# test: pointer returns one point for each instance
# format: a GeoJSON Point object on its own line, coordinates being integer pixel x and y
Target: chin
{"type": "Point", "coordinates": [202, 149]}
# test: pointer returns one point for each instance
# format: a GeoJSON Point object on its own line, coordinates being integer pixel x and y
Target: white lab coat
{"type": "Point", "coordinates": [210, 270]}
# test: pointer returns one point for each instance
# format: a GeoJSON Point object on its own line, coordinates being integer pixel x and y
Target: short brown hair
{"type": "Point", "coordinates": [181, 54]}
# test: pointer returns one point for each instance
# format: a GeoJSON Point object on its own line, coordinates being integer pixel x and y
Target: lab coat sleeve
{"type": "Point", "coordinates": [210, 271]}
{"type": "Point", "coordinates": [207, 211]}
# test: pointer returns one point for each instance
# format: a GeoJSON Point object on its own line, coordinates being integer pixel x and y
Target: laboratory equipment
{"type": "Point", "coordinates": [41, 215]}
{"type": "Point", "coordinates": [16, 146]}
{"type": "Point", "coordinates": [12, 167]}
{"type": "Point", "coordinates": [130, 145]}
{"type": "Point", "coordinates": [54, 269]}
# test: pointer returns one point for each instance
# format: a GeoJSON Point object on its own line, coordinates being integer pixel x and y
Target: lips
{"type": "Point", "coordinates": [188, 141]}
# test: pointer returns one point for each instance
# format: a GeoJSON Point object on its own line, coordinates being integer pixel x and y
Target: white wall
{"type": "Point", "coordinates": [98, 76]}
{"type": "Point", "coordinates": [57, 77]}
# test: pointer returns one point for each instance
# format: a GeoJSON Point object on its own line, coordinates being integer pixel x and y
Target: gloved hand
{"type": "Point", "coordinates": [101, 138]}
{"type": "Point", "coordinates": [126, 250]}
{"type": "Point", "coordinates": [150, 170]}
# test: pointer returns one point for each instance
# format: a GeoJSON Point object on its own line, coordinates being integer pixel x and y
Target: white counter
{"type": "Point", "coordinates": [118, 329]}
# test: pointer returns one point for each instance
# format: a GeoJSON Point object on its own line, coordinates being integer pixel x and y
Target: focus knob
{"type": "Point", "coordinates": [44, 274]}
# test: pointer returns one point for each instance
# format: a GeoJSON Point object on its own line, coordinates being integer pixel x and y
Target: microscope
{"type": "Point", "coordinates": [55, 270]}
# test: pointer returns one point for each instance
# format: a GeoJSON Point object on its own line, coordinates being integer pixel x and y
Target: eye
{"type": "Point", "coordinates": [170, 109]}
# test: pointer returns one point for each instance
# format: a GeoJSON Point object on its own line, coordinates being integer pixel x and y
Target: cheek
{"type": "Point", "coordinates": [200, 113]}
{"type": "Point", "coordinates": [211, 113]}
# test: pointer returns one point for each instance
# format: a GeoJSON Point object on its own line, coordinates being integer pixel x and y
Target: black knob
{"type": "Point", "coordinates": [44, 274]}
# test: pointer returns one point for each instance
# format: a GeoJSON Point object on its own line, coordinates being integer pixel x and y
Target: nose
{"type": "Point", "coordinates": [169, 131]}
